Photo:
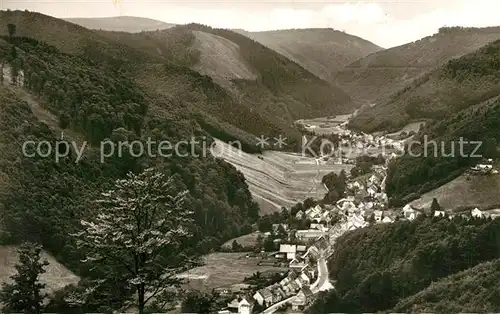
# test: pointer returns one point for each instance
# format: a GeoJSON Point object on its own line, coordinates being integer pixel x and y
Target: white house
{"type": "Point", "coordinates": [378, 215]}
{"type": "Point", "coordinates": [387, 219]}
{"type": "Point", "coordinates": [263, 297]}
{"type": "Point", "coordinates": [245, 306]}
{"type": "Point", "coordinates": [289, 249]}
{"type": "Point", "coordinates": [409, 212]}
{"type": "Point", "coordinates": [309, 234]}
{"type": "Point", "coordinates": [439, 213]}
{"type": "Point", "coordinates": [476, 213]}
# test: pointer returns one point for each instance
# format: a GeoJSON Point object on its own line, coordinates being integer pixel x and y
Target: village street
{"type": "Point", "coordinates": [323, 282]}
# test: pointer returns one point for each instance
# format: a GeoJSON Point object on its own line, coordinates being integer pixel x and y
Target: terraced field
{"type": "Point", "coordinates": [278, 179]}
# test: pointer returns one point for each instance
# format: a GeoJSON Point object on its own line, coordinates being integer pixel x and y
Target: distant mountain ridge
{"type": "Point", "coordinates": [454, 86]}
{"type": "Point", "coordinates": [374, 78]}
{"type": "Point", "coordinates": [130, 24]}
{"type": "Point", "coordinates": [322, 51]}
{"type": "Point", "coordinates": [256, 78]}
{"type": "Point", "coordinates": [258, 92]}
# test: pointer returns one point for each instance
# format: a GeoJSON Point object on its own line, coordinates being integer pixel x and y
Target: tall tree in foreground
{"type": "Point", "coordinates": [11, 29]}
{"type": "Point", "coordinates": [24, 293]}
{"type": "Point", "coordinates": [140, 227]}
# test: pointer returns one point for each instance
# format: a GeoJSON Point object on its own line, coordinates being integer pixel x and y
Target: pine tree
{"type": "Point", "coordinates": [371, 219]}
{"type": "Point", "coordinates": [435, 206]}
{"type": "Point", "coordinates": [235, 246]}
{"type": "Point", "coordinates": [24, 294]}
{"type": "Point", "coordinates": [140, 226]}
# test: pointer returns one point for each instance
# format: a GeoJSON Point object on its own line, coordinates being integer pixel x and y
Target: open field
{"type": "Point", "coordinates": [279, 179]}
{"type": "Point", "coordinates": [247, 240]}
{"type": "Point", "coordinates": [220, 59]}
{"type": "Point", "coordinates": [480, 191]}
{"type": "Point", "coordinates": [56, 277]}
{"type": "Point", "coordinates": [224, 269]}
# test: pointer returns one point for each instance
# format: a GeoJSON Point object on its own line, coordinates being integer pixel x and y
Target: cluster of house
{"type": "Point", "coordinates": [295, 283]}
{"type": "Point", "coordinates": [301, 275]}
{"type": "Point", "coordinates": [364, 204]}
{"type": "Point", "coordinates": [370, 191]}
{"type": "Point", "coordinates": [474, 213]}
{"type": "Point", "coordinates": [367, 144]}
{"type": "Point", "coordinates": [485, 167]}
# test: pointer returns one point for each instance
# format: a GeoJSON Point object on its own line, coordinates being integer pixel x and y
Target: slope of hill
{"type": "Point", "coordinates": [452, 87]}
{"type": "Point", "coordinates": [432, 165]}
{"type": "Point", "coordinates": [464, 192]}
{"type": "Point", "coordinates": [129, 24]}
{"type": "Point", "coordinates": [322, 51]}
{"type": "Point", "coordinates": [263, 92]}
{"type": "Point", "coordinates": [475, 290]}
{"type": "Point", "coordinates": [374, 78]}
{"type": "Point", "coordinates": [56, 277]}
{"type": "Point", "coordinates": [463, 95]}
{"type": "Point", "coordinates": [378, 266]}
{"type": "Point", "coordinates": [70, 38]}
{"type": "Point", "coordinates": [303, 93]}
{"type": "Point", "coordinates": [44, 200]}
{"type": "Point", "coordinates": [173, 62]}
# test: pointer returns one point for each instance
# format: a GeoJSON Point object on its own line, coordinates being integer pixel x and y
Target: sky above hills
{"type": "Point", "coordinates": [385, 23]}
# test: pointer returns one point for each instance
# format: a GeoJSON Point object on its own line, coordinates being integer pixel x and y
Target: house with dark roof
{"type": "Point", "coordinates": [263, 297]}
{"type": "Point", "coordinates": [302, 299]}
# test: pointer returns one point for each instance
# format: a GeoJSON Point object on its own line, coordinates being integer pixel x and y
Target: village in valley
{"type": "Point", "coordinates": [301, 239]}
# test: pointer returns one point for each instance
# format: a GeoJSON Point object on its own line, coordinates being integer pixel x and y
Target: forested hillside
{"type": "Point", "coordinates": [174, 64]}
{"type": "Point", "coordinates": [256, 80]}
{"type": "Point", "coordinates": [412, 175]}
{"type": "Point", "coordinates": [454, 86]}
{"type": "Point", "coordinates": [322, 51]}
{"type": "Point", "coordinates": [462, 97]}
{"type": "Point", "coordinates": [376, 77]}
{"type": "Point", "coordinates": [374, 268]}
{"type": "Point", "coordinates": [44, 200]}
{"type": "Point", "coordinates": [475, 290]}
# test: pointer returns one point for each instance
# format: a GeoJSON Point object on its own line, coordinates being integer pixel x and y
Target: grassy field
{"type": "Point", "coordinates": [56, 277]}
{"type": "Point", "coordinates": [247, 240]}
{"type": "Point", "coordinates": [480, 191]}
{"type": "Point", "coordinates": [279, 179]}
{"type": "Point", "coordinates": [220, 59]}
{"type": "Point", "coordinates": [223, 270]}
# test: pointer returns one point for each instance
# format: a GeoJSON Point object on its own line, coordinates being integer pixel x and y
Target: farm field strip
{"type": "Point", "coordinates": [278, 179]}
